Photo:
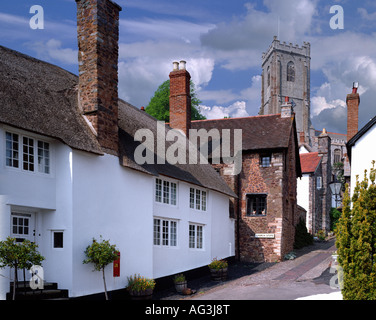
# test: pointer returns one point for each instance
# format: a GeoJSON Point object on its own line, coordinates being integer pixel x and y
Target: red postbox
{"type": "Point", "coordinates": [117, 266]}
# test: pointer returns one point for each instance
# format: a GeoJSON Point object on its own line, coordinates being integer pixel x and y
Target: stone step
{"type": "Point", "coordinates": [50, 291]}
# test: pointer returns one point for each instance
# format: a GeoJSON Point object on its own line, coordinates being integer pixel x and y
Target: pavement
{"type": "Point", "coordinates": [308, 277]}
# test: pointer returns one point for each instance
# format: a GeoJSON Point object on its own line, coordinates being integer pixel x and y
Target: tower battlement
{"type": "Point", "coordinates": [277, 45]}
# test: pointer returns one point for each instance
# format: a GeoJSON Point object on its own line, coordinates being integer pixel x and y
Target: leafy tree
{"type": "Point", "coordinates": [101, 254]}
{"type": "Point", "coordinates": [335, 214]}
{"type": "Point", "coordinates": [22, 255]}
{"type": "Point", "coordinates": [159, 105]}
{"type": "Point", "coordinates": [356, 240]}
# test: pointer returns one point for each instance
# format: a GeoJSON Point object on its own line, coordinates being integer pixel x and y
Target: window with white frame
{"type": "Point", "coordinates": [165, 191]}
{"type": "Point", "coordinates": [197, 199]}
{"type": "Point", "coordinates": [165, 232]}
{"type": "Point", "coordinates": [12, 157]}
{"type": "Point", "coordinates": [27, 153]}
{"type": "Point", "coordinates": [196, 236]}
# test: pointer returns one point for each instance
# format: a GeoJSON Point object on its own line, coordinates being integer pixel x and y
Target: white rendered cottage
{"type": "Point", "coordinates": [361, 151]}
{"type": "Point", "coordinates": [68, 173]}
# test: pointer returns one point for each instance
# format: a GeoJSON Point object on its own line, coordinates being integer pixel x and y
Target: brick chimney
{"type": "Point", "coordinates": [180, 98]}
{"type": "Point", "coordinates": [352, 102]}
{"type": "Point", "coordinates": [98, 35]}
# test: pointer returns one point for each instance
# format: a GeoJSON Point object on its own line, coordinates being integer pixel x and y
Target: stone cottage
{"type": "Point", "coordinates": [266, 208]}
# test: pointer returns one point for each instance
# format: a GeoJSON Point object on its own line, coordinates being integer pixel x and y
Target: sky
{"type": "Point", "coordinates": [222, 42]}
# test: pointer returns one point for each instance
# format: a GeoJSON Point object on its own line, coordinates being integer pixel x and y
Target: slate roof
{"type": "Point", "coordinates": [42, 98]}
{"type": "Point", "coordinates": [259, 133]}
{"type": "Point", "coordinates": [309, 162]}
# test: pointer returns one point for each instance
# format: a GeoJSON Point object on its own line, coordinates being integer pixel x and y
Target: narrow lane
{"type": "Point", "coordinates": [287, 280]}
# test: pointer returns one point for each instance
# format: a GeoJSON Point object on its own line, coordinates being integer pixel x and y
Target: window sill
{"type": "Point", "coordinates": [256, 215]}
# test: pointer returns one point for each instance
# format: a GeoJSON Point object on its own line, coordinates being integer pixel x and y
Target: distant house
{"type": "Point", "coordinates": [310, 190]}
{"type": "Point", "coordinates": [68, 171]}
{"type": "Point", "coordinates": [266, 209]}
{"type": "Point", "coordinates": [314, 194]}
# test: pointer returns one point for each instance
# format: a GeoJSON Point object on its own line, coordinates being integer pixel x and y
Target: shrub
{"type": "Point", "coordinates": [218, 264]}
{"type": "Point", "coordinates": [179, 278]}
{"type": "Point", "coordinates": [137, 283]}
{"type": "Point", "coordinates": [356, 240]}
{"type": "Point", "coordinates": [334, 217]}
{"type": "Point", "coordinates": [302, 237]}
{"type": "Point", "coordinates": [321, 235]}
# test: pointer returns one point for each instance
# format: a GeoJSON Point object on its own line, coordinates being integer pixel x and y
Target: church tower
{"type": "Point", "coordinates": [286, 73]}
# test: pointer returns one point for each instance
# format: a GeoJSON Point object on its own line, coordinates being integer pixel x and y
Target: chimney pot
{"type": "Point", "coordinates": [183, 65]}
{"type": "Point", "coordinates": [176, 65]}
{"type": "Point", "coordinates": [355, 87]}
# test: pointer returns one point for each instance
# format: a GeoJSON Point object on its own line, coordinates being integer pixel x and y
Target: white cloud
{"type": "Point", "coordinates": [168, 29]}
{"type": "Point", "coordinates": [235, 110]}
{"type": "Point", "coordinates": [318, 104]}
{"type": "Point", "coordinates": [52, 50]}
{"type": "Point", "coordinates": [239, 43]}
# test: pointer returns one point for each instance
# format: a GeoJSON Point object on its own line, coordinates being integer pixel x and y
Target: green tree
{"type": "Point", "coordinates": [159, 105]}
{"type": "Point", "coordinates": [22, 255]}
{"type": "Point", "coordinates": [356, 240]}
{"type": "Point", "coordinates": [101, 254]}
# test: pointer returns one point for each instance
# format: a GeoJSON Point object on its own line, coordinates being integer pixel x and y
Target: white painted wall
{"type": "Point", "coordinates": [303, 191]}
{"type": "Point", "coordinates": [362, 154]}
{"type": "Point", "coordinates": [87, 196]}
{"type": "Point", "coordinates": [114, 202]}
{"type": "Point", "coordinates": [219, 233]}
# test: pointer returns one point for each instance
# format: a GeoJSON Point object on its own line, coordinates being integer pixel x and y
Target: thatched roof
{"type": "Point", "coordinates": [132, 119]}
{"type": "Point", "coordinates": [40, 97]}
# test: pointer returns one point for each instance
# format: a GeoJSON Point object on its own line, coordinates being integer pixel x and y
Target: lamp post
{"type": "Point", "coordinates": [335, 187]}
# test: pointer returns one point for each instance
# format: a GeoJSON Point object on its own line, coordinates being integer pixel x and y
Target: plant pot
{"type": "Point", "coordinates": [219, 274]}
{"type": "Point", "coordinates": [141, 295]}
{"type": "Point", "coordinates": [180, 286]}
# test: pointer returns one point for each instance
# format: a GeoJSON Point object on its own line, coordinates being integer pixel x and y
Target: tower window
{"type": "Point", "coordinates": [291, 72]}
{"type": "Point", "coordinates": [337, 156]}
{"type": "Point", "coordinates": [268, 71]}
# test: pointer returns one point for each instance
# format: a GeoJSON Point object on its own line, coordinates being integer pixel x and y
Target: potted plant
{"type": "Point", "coordinates": [140, 288]}
{"type": "Point", "coordinates": [180, 282]}
{"type": "Point", "coordinates": [218, 269]}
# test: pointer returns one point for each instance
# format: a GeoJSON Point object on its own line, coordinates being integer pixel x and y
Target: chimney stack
{"type": "Point", "coordinates": [180, 98]}
{"type": "Point", "coordinates": [352, 102]}
{"type": "Point", "coordinates": [286, 109]}
{"type": "Point", "coordinates": [98, 35]}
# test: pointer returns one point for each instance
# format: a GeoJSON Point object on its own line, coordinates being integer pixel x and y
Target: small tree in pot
{"type": "Point", "coordinates": [101, 254]}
